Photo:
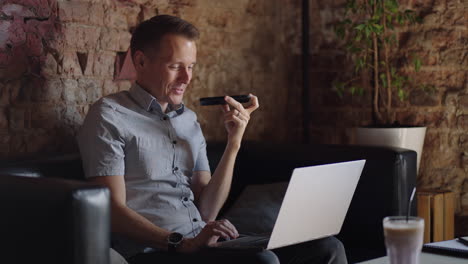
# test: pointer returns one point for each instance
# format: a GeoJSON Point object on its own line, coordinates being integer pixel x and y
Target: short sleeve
{"type": "Point", "coordinates": [101, 143]}
{"type": "Point", "coordinates": [202, 164]}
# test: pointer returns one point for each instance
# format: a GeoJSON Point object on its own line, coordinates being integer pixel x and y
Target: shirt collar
{"type": "Point", "coordinates": [149, 102]}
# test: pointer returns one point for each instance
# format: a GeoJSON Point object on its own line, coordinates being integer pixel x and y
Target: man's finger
{"type": "Point", "coordinates": [235, 104]}
{"type": "Point", "coordinates": [227, 227]}
{"type": "Point", "coordinates": [254, 104]}
{"type": "Point", "coordinates": [231, 227]}
{"type": "Point", "coordinates": [221, 233]}
{"type": "Point", "coordinates": [225, 108]}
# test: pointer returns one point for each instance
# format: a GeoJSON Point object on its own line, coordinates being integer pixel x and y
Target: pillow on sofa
{"type": "Point", "coordinates": [257, 207]}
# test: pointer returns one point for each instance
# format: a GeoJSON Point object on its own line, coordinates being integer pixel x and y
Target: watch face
{"type": "Point", "coordinates": [175, 238]}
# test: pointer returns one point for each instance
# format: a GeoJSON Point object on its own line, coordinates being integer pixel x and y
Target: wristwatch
{"type": "Point", "coordinates": [174, 240]}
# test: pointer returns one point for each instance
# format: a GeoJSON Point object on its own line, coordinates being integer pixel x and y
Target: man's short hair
{"type": "Point", "coordinates": [149, 33]}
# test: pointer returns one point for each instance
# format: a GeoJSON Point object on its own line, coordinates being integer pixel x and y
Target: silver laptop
{"type": "Point", "coordinates": [314, 206]}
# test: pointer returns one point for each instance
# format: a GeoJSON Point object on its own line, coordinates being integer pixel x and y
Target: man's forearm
{"type": "Point", "coordinates": [130, 224]}
{"type": "Point", "coordinates": [215, 193]}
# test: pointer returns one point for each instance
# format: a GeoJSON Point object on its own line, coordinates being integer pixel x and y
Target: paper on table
{"type": "Point", "coordinates": [451, 247]}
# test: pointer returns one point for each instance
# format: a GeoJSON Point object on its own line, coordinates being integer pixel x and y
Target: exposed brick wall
{"type": "Point", "coordinates": [57, 57]}
{"type": "Point", "coordinates": [441, 40]}
{"type": "Point", "coordinates": [27, 29]}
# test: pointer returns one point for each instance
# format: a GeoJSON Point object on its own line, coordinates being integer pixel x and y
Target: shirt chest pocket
{"type": "Point", "coordinates": [153, 157]}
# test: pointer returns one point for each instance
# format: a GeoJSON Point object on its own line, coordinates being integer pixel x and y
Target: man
{"type": "Point", "coordinates": [148, 148]}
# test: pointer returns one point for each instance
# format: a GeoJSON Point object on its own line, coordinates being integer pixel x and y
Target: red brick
{"type": "Point", "coordinates": [183, 2]}
{"type": "Point", "coordinates": [4, 143]}
{"type": "Point", "coordinates": [454, 57]}
{"type": "Point", "coordinates": [124, 85]}
{"type": "Point", "coordinates": [81, 37]}
{"type": "Point", "coordinates": [3, 118]}
{"type": "Point", "coordinates": [46, 29]}
{"type": "Point", "coordinates": [423, 118]}
{"type": "Point", "coordinates": [441, 38]}
{"type": "Point", "coordinates": [34, 45]}
{"type": "Point", "coordinates": [422, 98]}
{"type": "Point", "coordinates": [96, 14]}
{"type": "Point", "coordinates": [16, 32]}
{"type": "Point", "coordinates": [220, 20]}
{"type": "Point", "coordinates": [113, 18]}
{"type": "Point", "coordinates": [81, 12]}
{"type": "Point", "coordinates": [463, 101]}
{"type": "Point", "coordinates": [110, 87]}
{"type": "Point", "coordinates": [16, 117]}
{"type": "Point", "coordinates": [65, 11]}
{"type": "Point", "coordinates": [109, 39]}
{"type": "Point", "coordinates": [4, 95]}
{"type": "Point", "coordinates": [14, 87]}
{"type": "Point", "coordinates": [444, 147]}
{"type": "Point", "coordinates": [74, 11]}
{"type": "Point", "coordinates": [70, 88]}
{"type": "Point", "coordinates": [453, 17]}
{"type": "Point", "coordinates": [104, 64]}
{"type": "Point", "coordinates": [463, 143]}
{"type": "Point", "coordinates": [462, 122]}
{"type": "Point", "coordinates": [464, 160]}
{"type": "Point", "coordinates": [69, 64]}
{"type": "Point", "coordinates": [41, 8]}
{"type": "Point", "coordinates": [17, 143]}
{"type": "Point", "coordinates": [44, 116]}
{"type": "Point", "coordinates": [51, 91]}
{"type": "Point", "coordinates": [71, 115]}
{"type": "Point", "coordinates": [131, 14]}
{"type": "Point", "coordinates": [124, 41]}
{"type": "Point", "coordinates": [50, 66]}
{"type": "Point", "coordinates": [42, 140]}
{"type": "Point", "coordinates": [257, 8]}
{"type": "Point", "coordinates": [16, 10]}
{"type": "Point", "coordinates": [91, 88]}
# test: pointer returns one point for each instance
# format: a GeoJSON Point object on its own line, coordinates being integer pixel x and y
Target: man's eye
{"type": "Point", "coordinates": [174, 67]}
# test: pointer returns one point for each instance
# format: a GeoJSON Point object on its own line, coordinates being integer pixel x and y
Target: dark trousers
{"type": "Point", "coordinates": [327, 250]}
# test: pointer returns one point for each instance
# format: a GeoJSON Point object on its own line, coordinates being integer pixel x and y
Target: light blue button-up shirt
{"type": "Point", "coordinates": [128, 134]}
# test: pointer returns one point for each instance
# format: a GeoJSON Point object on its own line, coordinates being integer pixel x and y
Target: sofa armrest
{"type": "Point", "coordinates": [46, 220]}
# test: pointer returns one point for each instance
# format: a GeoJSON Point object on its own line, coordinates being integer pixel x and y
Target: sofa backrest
{"type": "Point", "coordinates": [65, 166]}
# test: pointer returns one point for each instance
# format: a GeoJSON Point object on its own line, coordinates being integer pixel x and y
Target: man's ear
{"type": "Point", "coordinates": [139, 60]}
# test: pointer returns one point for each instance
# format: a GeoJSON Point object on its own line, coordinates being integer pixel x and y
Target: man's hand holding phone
{"type": "Point", "coordinates": [236, 118]}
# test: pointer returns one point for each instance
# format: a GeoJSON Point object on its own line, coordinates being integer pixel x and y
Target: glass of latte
{"type": "Point", "coordinates": [403, 239]}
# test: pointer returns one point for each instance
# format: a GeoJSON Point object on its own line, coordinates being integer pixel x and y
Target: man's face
{"type": "Point", "coordinates": [167, 70]}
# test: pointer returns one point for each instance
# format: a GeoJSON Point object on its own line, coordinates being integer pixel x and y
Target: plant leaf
{"type": "Point", "coordinates": [417, 64]}
{"type": "Point", "coordinates": [401, 94]}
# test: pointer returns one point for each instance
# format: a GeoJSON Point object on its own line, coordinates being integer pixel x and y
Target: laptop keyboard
{"type": "Point", "coordinates": [245, 242]}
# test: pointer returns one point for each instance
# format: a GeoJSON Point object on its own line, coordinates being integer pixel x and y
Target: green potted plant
{"type": "Point", "coordinates": [369, 33]}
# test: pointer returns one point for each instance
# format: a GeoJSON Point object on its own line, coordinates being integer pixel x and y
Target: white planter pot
{"type": "Point", "coordinates": [408, 138]}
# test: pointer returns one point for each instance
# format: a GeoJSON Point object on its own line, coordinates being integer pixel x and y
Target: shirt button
{"type": "Point", "coordinates": [185, 199]}
{"type": "Point", "coordinates": [174, 142]}
{"type": "Point", "coordinates": [164, 118]}
{"type": "Point", "coordinates": [195, 220]}
{"type": "Point", "coordinates": [176, 168]}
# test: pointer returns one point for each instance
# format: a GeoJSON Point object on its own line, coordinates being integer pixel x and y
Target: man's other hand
{"type": "Point", "coordinates": [236, 117]}
{"type": "Point", "coordinates": [210, 235]}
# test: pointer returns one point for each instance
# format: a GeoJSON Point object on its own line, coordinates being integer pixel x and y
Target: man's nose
{"type": "Point", "coordinates": [185, 75]}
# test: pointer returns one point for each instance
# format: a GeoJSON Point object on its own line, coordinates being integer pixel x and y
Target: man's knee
{"type": "Point", "coordinates": [333, 249]}
{"type": "Point", "coordinates": [265, 257]}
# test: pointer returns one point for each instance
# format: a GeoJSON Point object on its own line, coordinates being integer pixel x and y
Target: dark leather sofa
{"type": "Point", "coordinates": [52, 216]}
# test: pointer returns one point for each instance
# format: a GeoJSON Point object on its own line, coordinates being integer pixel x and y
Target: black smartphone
{"type": "Point", "coordinates": [219, 100]}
